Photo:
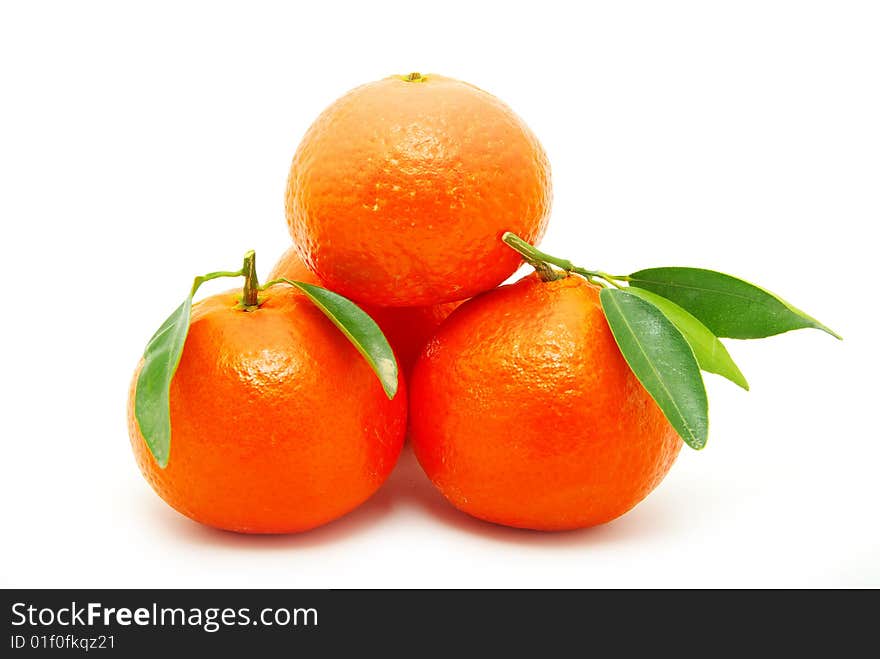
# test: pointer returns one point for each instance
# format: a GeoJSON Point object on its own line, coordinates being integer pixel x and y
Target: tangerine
{"type": "Point", "coordinates": [400, 191]}
{"type": "Point", "coordinates": [278, 424]}
{"type": "Point", "coordinates": [524, 412]}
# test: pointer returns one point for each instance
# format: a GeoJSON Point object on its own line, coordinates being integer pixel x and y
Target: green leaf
{"type": "Point", "coordinates": [726, 305]}
{"type": "Point", "coordinates": [711, 354]}
{"type": "Point", "coordinates": [662, 360]}
{"type": "Point", "coordinates": [151, 403]}
{"type": "Point", "coordinates": [359, 328]}
{"type": "Point", "coordinates": [151, 400]}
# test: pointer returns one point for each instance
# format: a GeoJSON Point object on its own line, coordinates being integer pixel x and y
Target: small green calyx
{"type": "Point", "coordinates": [415, 76]}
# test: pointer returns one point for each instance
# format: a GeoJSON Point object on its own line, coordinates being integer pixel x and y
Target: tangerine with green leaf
{"type": "Point", "coordinates": [271, 422]}
{"type": "Point", "coordinates": [561, 401]}
{"type": "Point", "coordinates": [523, 412]}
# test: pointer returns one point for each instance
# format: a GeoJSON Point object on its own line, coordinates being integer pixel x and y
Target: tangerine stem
{"type": "Point", "coordinates": [251, 290]}
{"type": "Point", "coordinates": [533, 255]}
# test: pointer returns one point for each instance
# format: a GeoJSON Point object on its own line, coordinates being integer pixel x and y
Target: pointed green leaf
{"type": "Point", "coordinates": [161, 357]}
{"type": "Point", "coordinates": [359, 328]}
{"type": "Point", "coordinates": [151, 403]}
{"type": "Point", "coordinates": [662, 360]}
{"type": "Point", "coordinates": [709, 351]}
{"type": "Point", "coordinates": [726, 305]}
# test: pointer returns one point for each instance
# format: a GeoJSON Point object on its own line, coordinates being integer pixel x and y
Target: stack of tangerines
{"type": "Point", "coordinates": [259, 410]}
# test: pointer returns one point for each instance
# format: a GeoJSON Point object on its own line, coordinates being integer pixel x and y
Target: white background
{"type": "Point", "coordinates": [141, 145]}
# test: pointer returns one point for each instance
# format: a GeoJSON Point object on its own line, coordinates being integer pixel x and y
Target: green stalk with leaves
{"type": "Point", "coordinates": [668, 323]}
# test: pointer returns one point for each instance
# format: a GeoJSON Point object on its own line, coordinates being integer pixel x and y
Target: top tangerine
{"type": "Point", "coordinates": [400, 191]}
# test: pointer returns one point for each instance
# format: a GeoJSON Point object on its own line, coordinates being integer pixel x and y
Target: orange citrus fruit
{"type": "Point", "coordinates": [277, 423]}
{"type": "Point", "coordinates": [407, 329]}
{"type": "Point", "coordinates": [400, 191]}
{"type": "Point", "coordinates": [523, 411]}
